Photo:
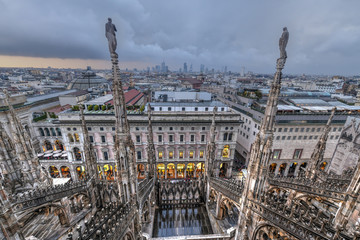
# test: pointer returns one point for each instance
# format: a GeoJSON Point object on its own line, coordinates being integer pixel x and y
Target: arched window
{"type": "Point", "coordinates": [65, 172]}
{"type": "Point", "coordinates": [230, 136]}
{"type": "Point", "coordinates": [54, 172]}
{"type": "Point", "coordinates": [47, 145]}
{"type": "Point", "coordinates": [81, 172]}
{"type": "Point", "coordinates": [180, 170]}
{"type": "Point", "coordinates": [41, 131]}
{"type": "Point", "coordinates": [47, 132]}
{"type": "Point", "coordinates": [109, 173]}
{"type": "Point", "coordinates": [58, 130]}
{"type": "Point", "coordinates": [53, 133]}
{"type": "Point", "coordinates": [200, 168]}
{"type": "Point", "coordinates": [272, 167]}
{"type": "Point", "coordinates": [70, 137]}
{"type": "Point", "coordinates": [59, 145]}
{"type": "Point", "coordinates": [141, 171]}
{"type": "Point", "coordinates": [77, 154]}
{"type": "Point", "coordinates": [170, 171]}
{"type": "Point", "coordinates": [161, 170]}
{"type": "Point", "coordinates": [226, 152]}
{"type": "Point", "coordinates": [190, 168]}
{"type": "Point", "coordinates": [77, 138]}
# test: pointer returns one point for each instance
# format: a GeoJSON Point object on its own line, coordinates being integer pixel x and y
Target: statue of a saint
{"type": "Point", "coordinates": [110, 30]}
{"type": "Point", "coordinates": [283, 42]}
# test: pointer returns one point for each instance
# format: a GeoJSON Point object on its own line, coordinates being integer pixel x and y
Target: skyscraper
{"type": "Point", "coordinates": [202, 67]}
{"type": "Point", "coordinates": [191, 68]}
{"type": "Point", "coordinates": [185, 67]}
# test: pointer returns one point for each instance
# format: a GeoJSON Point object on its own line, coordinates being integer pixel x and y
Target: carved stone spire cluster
{"type": "Point", "coordinates": [318, 155]}
{"type": "Point", "coordinates": [261, 148]}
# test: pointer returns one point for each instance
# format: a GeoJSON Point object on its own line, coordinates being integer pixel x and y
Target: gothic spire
{"type": "Point", "coordinates": [90, 162]}
{"type": "Point", "coordinates": [261, 148]}
{"type": "Point", "coordinates": [151, 147]}
{"type": "Point", "coordinates": [210, 157]}
{"type": "Point", "coordinates": [318, 155]}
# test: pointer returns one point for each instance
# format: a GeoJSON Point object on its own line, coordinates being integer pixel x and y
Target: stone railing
{"type": "Point", "coordinates": [39, 196]}
{"type": "Point", "coordinates": [111, 222]}
{"type": "Point", "coordinates": [231, 188]}
{"type": "Point", "coordinates": [144, 189]}
{"type": "Point", "coordinates": [326, 189]}
{"type": "Point", "coordinates": [299, 222]}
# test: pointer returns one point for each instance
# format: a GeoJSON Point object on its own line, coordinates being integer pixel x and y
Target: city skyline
{"type": "Point", "coordinates": [324, 38]}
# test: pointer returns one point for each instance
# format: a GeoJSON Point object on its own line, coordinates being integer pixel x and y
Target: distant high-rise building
{"type": "Point", "coordinates": [202, 67]}
{"type": "Point", "coordinates": [185, 67]}
{"type": "Point", "coordinates": [225, 69]}
{"type": "Point", "coordinates": [163, 67]}
{"type": "Point", "coordinates": [148, 69]}
{"type": "Point", "coordinates": [191, 68]}
{"type": "Point", "coordinates": [242, 71]}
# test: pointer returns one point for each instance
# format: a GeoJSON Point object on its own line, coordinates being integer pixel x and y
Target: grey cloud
{"type": "Point", "coordinates": [324, 35]}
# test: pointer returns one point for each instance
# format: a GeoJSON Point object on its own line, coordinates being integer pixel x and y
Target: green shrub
{"type": "Point", "coordinates": [96, 107]}
{"type": "Point", "coordinates": [103, 107]}
{"type": "Point", "coordinates": [90, 107]}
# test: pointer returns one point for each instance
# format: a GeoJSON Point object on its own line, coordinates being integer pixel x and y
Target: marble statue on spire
{"type": "Point", "coordinates": [283, 42]}
{"type": "Point", "coordinates": [110, 30]}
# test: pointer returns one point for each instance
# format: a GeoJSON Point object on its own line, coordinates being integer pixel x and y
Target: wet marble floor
{"type": "Point", "coordinates": [180, 222]}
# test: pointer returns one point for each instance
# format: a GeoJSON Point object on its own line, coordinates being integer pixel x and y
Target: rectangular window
{"type": "Point", "coordinates": [159, 138]}
{"type": "Point", "coordinates": [103, 139]}
{"type": "Point", "coordinates": [91, 139]}
{"type": "Point", "coordinates": [276, 154]}
{"type": "Point", "coordinates": [113, 128]}
{"type": "Point", "coordinates": [315, 137]}
{"type": "Point", "coordinates": [138, 155]}
{"type": "Point", "coordinates": [307, 129]}
{"type": "Point", "coordinates": [288, 138]}
{"type": "Point", "coordinates": [183, 109]}
{"type": "Point", "coordinates": [334, 129]}
{"type": "Point", "coordinates": [196, 109]}
{"type": "Point", "coordinates": [310, 137]}
{"type": "Point", "coordinates": [302, 129]}
{"type": "Point", "coordinates": [279, 129]}
{"type": "Point", "coordinates": [318, 129]}
{"type": "Point", "coordinates": [181, 154]}
{"type": "Point", "coordinates": [206, 109]}
{"type": "Point", "coordinates": [169, 108]}
{"type": "Point", "coordinates": [171, 154]}
{"type": "Point", "coordinates": [138, 138]}
{"type": "Point", "coordinates": [191, 154]}
{"type": "Point", "coordinates": [305, 137]}
{"type": "Point", "coordinates": [297, 154]}
{"type": "Point", "coordinates": [89, 128]}
{"type": "Point", "coordinates": [106, 156]}
{"type": "Point", "coordinates": [278, 138]}
{"type": "Point", "coordinates": [291, 129]}
{"type": "Point", "coordinates": [283, 137]}
{"type": "Point", "coordinates": [192, 138]}
{"type": "Point", "coordinates": [171, 138]}
{"type": "Point", "coordinates": [296, 129]}
{"type": "Point", "coordinates": [300, 137]}
{"type": "Point", "coordinates": [285, 129]}
{"type": "Point", "coordinates": [203, 138]}
{"type": "Point", "coordinates": [201, 153]}
{"type": "Point", "coordinates": [230, 136]}
{"type": "Point", "coordinates": [101, 129]}
{"type": "Point", "coordinates": [160, 108]}
{"type": "Point", "coordinates": [181, 138]}
{"type": "Point", "coordinates": [160, 154]}
{"type": "Point", "coordinates": [114, 138]}
{"type": "Point", "coordinates": [294, 137]}
{"type": "Point", "coordinates": [255, 125]}
{"type": "Point", "coordinates": [313, 129]}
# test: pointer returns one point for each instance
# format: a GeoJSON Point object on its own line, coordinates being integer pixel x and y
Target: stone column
{"type": "Point", "coordinates": [287, 170]}
{"type": "Point", "coordinates": [218, 201]}
{"type": "Point", "coordinates": [277, 169]}
{"type": "Point", "coordinates": [297, 169]}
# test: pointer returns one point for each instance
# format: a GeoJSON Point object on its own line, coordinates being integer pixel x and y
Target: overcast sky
{"type": "Point", "coordinates": [324, 34]}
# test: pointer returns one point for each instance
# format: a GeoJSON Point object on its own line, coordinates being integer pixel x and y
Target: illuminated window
{"type": "Point", "coordinates": [191, 155]}
{"type": "Point", "coordinates": [160, 154]}
{"type": "Point", "coordinates": [201, 153]}
{"type": "Point", "coordinates": [276, 154]}
{"type": "Point", "coordinates": [226, 152]}
{"type": "Point", "coordinates": [171, 154]}
{"type": "Point", "coordinates": [181, 154]}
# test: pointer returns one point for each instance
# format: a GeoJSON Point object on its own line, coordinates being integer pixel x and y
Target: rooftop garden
{"type": "Point", "coordinates": [109, 108]}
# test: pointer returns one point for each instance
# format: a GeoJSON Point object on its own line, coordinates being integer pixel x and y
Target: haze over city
{"type": "Point", "coordinates": [325, 35]}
